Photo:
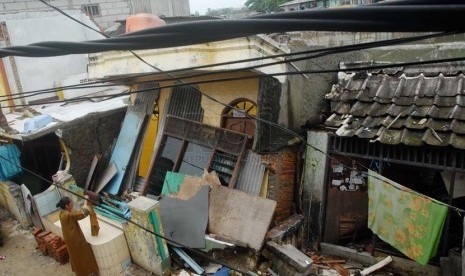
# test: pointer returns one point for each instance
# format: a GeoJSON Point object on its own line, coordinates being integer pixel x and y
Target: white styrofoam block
{"type": "Point", "coordinates": [110, 248]}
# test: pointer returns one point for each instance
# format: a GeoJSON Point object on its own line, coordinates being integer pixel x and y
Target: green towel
{"type": "Point", "coordinates": [410, 222]}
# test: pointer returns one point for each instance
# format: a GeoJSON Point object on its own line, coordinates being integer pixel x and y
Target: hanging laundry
{"type": "Point", "coordinates": [10, 165]}
{"type": "Point", "coordinates": [410, 222]}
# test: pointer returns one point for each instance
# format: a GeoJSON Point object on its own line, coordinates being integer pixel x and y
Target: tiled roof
{"type": "Point", "coordinates": [413, 105]}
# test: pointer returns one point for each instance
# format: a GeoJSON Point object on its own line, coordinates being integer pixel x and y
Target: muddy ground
{"type": "Point", "coordinates": [22, 258]}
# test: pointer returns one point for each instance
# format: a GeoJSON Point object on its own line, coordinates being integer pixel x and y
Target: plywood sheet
{"type": "Point", "coordinates": [237, 216]}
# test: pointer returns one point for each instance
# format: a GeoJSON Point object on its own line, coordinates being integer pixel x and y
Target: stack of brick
{"type": "Point", "coordinates": [40, 240]}
{"type": "Point", "coordinates": [52, 245]}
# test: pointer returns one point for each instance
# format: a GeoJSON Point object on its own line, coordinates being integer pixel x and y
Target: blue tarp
{"type": "Point", "coordinates": [37, 122]}
{"type": "Point", "coordinates": [12, 165]}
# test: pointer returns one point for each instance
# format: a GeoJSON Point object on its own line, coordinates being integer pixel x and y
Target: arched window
{"type": "Point", "coordinates": [236, 118]}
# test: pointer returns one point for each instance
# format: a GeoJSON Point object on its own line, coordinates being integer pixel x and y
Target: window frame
{"type": "Point", "coordinates": [188, 137]}
{"type": "Point", "coordinates": [90, 8]}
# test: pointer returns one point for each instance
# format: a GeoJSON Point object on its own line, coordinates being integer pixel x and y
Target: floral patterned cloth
{"type": "Point", "coordinates": [410, 222]}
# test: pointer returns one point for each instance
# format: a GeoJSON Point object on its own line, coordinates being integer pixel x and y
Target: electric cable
{"type": "Point", "coordinates": [408, 18]}
{"type": "Point", "coordinates": [356, 13]}
{"type": "Point", "coordinates": [362, 68]}
{"type": "Point", "coordinates": [339, 49]}
{"type": "Point", "coordinates": [258, 119]}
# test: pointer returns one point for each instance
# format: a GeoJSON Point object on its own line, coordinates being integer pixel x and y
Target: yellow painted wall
{"type": "Point", "coordinates": [3, 90]}
{"type": "Point", "coordinates": [225, 92]}
{"type": "Point", "coordinates": [2, 87]}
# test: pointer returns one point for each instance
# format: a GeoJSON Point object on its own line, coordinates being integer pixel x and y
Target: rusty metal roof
{"type": "Point", "coordinates": [413, 105]}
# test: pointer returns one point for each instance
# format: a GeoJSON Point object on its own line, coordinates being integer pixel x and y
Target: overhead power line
{"type": "Point", "coordinates": [229, 79]}
{"type": "Point", "coordinates": [405, 18]}
{"type": "Point", "coordinates": [318, 52]}
{"type": "Point", "coordinates": [264, 121]}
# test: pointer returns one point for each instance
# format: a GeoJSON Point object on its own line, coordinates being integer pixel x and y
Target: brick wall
{"type": "Point", "coordinates": [110, 10]}
{"type": "Point", "coordinates": [281, 181]}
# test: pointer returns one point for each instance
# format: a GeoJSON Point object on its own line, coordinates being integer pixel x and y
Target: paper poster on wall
{"type": "Point", "coordinates": [347, 178]}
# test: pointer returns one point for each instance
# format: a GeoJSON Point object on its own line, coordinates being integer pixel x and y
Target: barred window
{"type": "Point", "coordinates": [91, 10]}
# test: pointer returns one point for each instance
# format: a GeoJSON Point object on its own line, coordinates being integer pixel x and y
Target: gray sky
{"type": "Point", "coordinates": [202, 5]}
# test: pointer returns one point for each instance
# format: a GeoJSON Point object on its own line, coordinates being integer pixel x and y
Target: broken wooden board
{"type": "Point", "coordinates": [181, 186]}
{"type": "Point", "coordinates": [132, 125]}
{"type": "Point", "coordinates": [238, 216]}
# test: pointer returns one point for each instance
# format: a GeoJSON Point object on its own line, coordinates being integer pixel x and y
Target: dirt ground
{"type": "Point", "coordinates": [22, 258]}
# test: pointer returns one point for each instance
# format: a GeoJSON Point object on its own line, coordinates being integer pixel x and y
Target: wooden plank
{"type": "Point", "coordinates": [236, 215]}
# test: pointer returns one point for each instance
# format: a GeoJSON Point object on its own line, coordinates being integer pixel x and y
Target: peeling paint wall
{"type": "Point", "coordinates": [225, 92]}
{"type": "Point", "coordinates": [118, 62]}
{"type": "Point", "coordinates": [303, 97]}
{"type": "Point", "coordinates": [314, 192]}
{"type": "Point", "coordinates": [27, 74]}
{"type": "Point", "coordinates": [110, 10]}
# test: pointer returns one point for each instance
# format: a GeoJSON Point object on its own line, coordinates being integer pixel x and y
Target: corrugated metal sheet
{"type": "Point", "coordinates": [251, 176]}
{"type": "Point", "coordinates": [402, 107]}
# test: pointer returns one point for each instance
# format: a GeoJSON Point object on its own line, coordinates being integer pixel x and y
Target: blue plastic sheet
{"type": "Point", "coordinates": [10, 165]}
{"type": "Point", "coordinates": [224, 271]}
{"type": "Point", "coordinates": [37, 122]}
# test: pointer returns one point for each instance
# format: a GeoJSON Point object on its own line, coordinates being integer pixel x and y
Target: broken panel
{"type": "Point", "coordinates": [224, 164]}
{"type": "Point", "coordinates": [195, 159]}
{"type": "Point", "coordinates": [169, 153]}
{"type": "Point", "coordinates": [190, 147]}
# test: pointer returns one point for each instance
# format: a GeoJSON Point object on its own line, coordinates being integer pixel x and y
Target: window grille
{"type": "Point", "coordinates": [91, 10]}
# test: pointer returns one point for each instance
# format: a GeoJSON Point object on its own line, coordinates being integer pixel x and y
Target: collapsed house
{"type": "Point", "coordinates": [405, 124]}
{"type": "Point", "coordinates": [188, 160]}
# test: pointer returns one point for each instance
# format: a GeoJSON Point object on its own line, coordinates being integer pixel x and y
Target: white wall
{"type": "Point", "coordinates": [111, 10]}
{"type": "Point", "coordinates": [41, 73]}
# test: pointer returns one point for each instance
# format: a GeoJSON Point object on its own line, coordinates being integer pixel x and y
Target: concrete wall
{"type": "Point", "coordinates": [314, 183]}
{"type": "Point", "coordinates": [303, 96]}
{"type": "Point", "coordinates": [428, 51]}
{"type": "Point", "coordinates": [312, 92]}
{"type": "Point", "coordinates": [212, 110]}
{"type": "Point", "coordinates": [303, 99]}
{"type": "Point", "coordinates": [91, 135]}
{"type": "Point", "coordinates": [170, 7]}
{"type": "Point", "coordinates": [110, 10]}
{"type": "Point", "coordinates": [42, 73]}
{"type": "Point", "coordinates": [224, 92]}
{"type": "Point", "coordinates": [118, 63]}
